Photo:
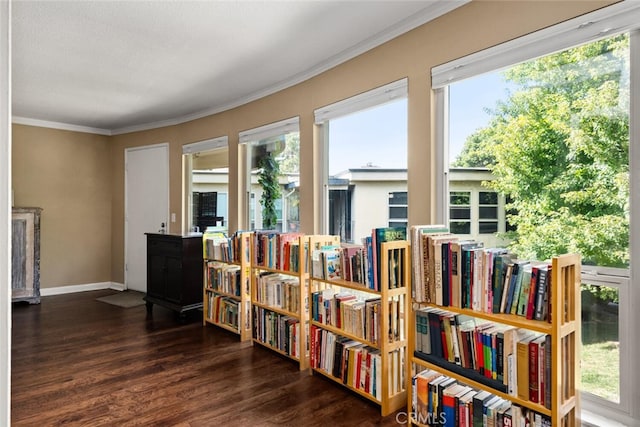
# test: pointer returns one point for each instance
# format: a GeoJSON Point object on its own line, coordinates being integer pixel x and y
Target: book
{"type": "Point", "coordinates": [379, 236]}
{"type": "Point", "coordinates": [479, 401]}
{"type": "Point", "coordinates": [419, 285]}
{"type": "Point", "coordinates": [542, 292]}
{"type": "Point", "coordinates": [522, 361]}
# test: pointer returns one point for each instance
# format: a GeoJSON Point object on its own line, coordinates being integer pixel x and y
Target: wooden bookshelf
{"type": "Point", "coordinates": [223, 289]}
{"type": "Point", "coordinates": [279, 294]}
{"type": "Point", "coordinates": [388, 339]}
{"type": "Point", "coordinates": [563, 330]}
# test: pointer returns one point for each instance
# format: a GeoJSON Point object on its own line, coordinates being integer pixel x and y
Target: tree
{"type": "Point", "coordinates": [559, 147]}
{"type": "Point", "coordinates": [290, 157]}
{"type": "Point", "coordinates": [268, 180]}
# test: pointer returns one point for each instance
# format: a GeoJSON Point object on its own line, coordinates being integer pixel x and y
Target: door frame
{"type": "Point", "coordinates": [164, 145]}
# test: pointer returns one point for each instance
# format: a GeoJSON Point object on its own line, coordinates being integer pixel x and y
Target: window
{"type": "Point", "coordinates": [365, 160]}
{"type": "Point", "coordinates": [273, 165]}
{"type": "Point", "coordinates": [557, 139]}
{"type": "Point", "coordinates": [206, 177]}
{"type": "Point", "coordinates": [487, 212]}
{"type": "Point", "coordinates": [398, 211]}
{"type": "Point", "coordinates": [460, 212]}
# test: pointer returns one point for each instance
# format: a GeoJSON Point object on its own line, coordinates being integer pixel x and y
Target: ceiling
{"type": "Point", "coordinates": [113, 67]}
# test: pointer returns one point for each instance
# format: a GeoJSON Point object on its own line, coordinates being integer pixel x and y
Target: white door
{"type": "Point", "coordinates": [146, 207]}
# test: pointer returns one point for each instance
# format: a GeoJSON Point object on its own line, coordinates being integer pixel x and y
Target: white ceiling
{"type": "Point", "coordinates": [112, 67]}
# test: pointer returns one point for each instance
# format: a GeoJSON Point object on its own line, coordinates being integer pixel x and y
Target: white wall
{"type": "Point", "coordinates": [370, 205]}
{"type": "Point", "coordinates": [5, 212]}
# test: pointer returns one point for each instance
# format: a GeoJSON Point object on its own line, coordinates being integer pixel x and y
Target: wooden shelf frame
{"type": "Point", "coordinates": [244, 299]}
{"type": "Point", "coordinates": [304, 245]}
{"type": "Point", "coordinates": [564, 330]}
{"type": "Point", "coordinates": [389, 401]}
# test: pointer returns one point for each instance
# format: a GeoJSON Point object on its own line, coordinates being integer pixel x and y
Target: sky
{"type": "Point", "coordinates": [378, 135]}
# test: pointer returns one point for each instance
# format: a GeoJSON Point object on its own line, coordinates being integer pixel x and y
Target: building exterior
{"type": "Point", "coordinates": [361, 199]}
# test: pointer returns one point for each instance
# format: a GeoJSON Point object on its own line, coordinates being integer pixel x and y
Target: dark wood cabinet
{"type": "Point", "coordinates": [174, 272]}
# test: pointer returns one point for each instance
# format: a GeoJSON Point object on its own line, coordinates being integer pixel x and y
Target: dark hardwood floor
{"type": "Point", "coordinates": [78, 361]}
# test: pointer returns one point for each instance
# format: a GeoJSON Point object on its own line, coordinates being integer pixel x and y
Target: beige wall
{"type": "Point", "coordinates": [68, 175]}
{"type": "Point", "coordinates": [473, 27]}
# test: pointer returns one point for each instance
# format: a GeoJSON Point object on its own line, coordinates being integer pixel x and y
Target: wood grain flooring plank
{"type": "Point", "coordinates": [80, 362]}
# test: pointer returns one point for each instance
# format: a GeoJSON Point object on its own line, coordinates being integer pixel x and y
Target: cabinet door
{"type": "Point", "coordinates": [156, 272]}
{"type": "Point", "coordinates": [173, 289]}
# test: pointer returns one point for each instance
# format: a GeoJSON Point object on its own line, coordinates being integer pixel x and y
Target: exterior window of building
{"type": "Point", "coordinates": [398, 209]}
{"type": "Point", "coordinates": [487, 212]}
{"type": "Point", "coordinates": [460, 212]}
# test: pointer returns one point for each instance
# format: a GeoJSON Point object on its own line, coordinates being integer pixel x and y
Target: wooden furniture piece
{"type": "Point", "coordinates": [25, 254]}
{"type": "Point", "coordinates": [174, 272]}
{"type": "Point", "coordinates": [378, 354]}
{"type": "Point", "coordinates": [227, 285]}
{"type": "Point", "coordinates": [279, 294]}
{"type": "Point", "coordinates": [562, 331]}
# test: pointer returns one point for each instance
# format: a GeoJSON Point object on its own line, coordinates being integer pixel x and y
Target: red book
{"type": "Point", "coordinates": [534, 392]}
{"type": "Point", "coordinates": [367, 378]}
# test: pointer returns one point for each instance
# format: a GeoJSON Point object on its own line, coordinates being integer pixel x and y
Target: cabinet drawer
{"type": "Point", "coordinates": [164, 246]}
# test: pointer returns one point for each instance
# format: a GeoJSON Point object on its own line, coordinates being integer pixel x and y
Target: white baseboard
{"type": "Point", "coordinates": [59, 290]}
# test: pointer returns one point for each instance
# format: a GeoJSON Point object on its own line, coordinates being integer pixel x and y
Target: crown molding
{"type": "Point", "coordinates": [57, 125]}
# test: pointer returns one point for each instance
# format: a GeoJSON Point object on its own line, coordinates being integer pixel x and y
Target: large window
{"type": "Point", "coordinates": [365, 156]}
{"type": "Point", "coordinates": [206, 178]}
{"type": "Point", "coordinates": [554, 132]}
{"type": "Point", "coordinates": [273, 176]}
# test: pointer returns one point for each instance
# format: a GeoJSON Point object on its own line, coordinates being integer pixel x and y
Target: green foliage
{"type": "Point", "coordinates": [268, 180]}
{"type": "Point", "coordinates": [559, 147]}
{"type": "Point", "coordinates": [290, 158]}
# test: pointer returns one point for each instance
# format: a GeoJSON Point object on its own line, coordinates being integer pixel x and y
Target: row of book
{"type": "Point", "coordinates": [278, 291]}
{"type": "Point", "coordinates": [218, 246]}
{"type": "Point", "coordinates": [395, 267]}
{"type": "Point", "coordinates": [223, 310]}
{"type": "Point", "coordinates": [280, 251]}
{"type": "Point", "coordinates": [224, 278]}
{"type": "Point", "coordinates": [354, 314]}
{"type": "Point", "coordinates": [448, 271]}
{"type": "Point", "coordinates": [439, 400]}
{"type": "Point", "coordinates": [277, 330]}
{"type": "Point", "coordinates": [509, 359]}
{"type": "Point", "coordinates": [344, 261]}
{"type": "Point", "coordinates": [359, 263]}
{"type": "Point", "coordinates": [355, 364]}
